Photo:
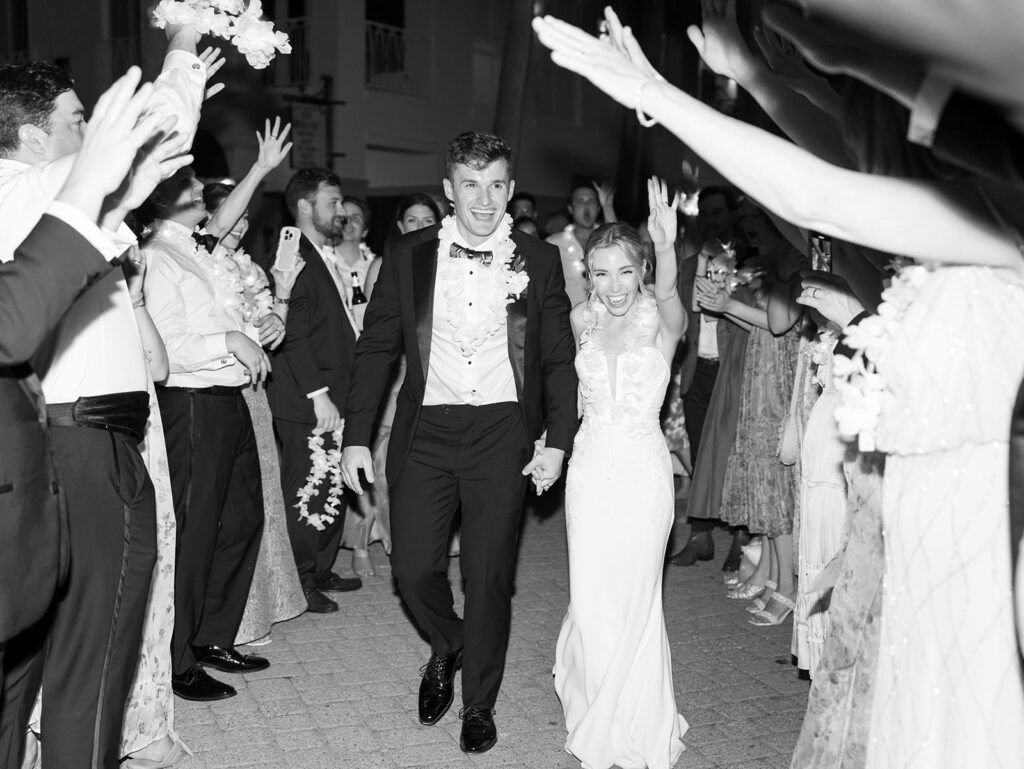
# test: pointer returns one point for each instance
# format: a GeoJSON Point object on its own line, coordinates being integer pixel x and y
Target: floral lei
{"type": "Point", "coordinates": [861, 386]}
{"type": "Point", "coordinates": [509, 280]}
{"type": "Point", "coordinates": [324, 463]}
{"type": "Point", "coordinates": [240, 285]}
{"type": "Point", "coordinates": [241, 25]}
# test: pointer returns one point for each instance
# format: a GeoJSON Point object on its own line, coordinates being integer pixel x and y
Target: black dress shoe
{"type": "Point", "coordinates": [702, 549]}
{"type": "Point", "coordinates": [196, 684]}
{"type": "Point", "coordinates": [318, 603]}
{"type": "Point", "coordinates": [437, 689]}
{"type": "Point", "coordinates": [228, 660]}
{"type": "Point", "coordinates": [339, 584]}
{"type": "Point", "coordinates": [478, 731]}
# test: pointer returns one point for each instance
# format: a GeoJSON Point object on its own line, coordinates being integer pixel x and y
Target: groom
{"type": "Point", "coordinates": [481, 313]}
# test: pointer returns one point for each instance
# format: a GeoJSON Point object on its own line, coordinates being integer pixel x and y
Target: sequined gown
{"type": "Point", "coordinates": [612, 668]}
{"type": "Point", "coordinates": [948, 688]}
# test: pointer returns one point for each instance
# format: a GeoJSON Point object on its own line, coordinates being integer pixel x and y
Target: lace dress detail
{"type": "Point", "coordinates": [612, 668]}
{"type": "Point", "coordinates": [948, 690]}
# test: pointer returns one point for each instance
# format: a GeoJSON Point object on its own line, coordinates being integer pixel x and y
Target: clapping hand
{"type": "Point", "coordinates": [709, 295]}
{"type": "Point", "coordinates": [661, 224]}
{"type": "Point", "coordinates": [273, 149]}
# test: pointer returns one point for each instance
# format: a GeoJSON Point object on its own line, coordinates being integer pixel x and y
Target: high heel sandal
{"type": "Point", "coordinates": [764, 618]}
{"type": "Point", "coordinates": [761, 601]}
{"type": "Point", "coordinates": [744, 592]}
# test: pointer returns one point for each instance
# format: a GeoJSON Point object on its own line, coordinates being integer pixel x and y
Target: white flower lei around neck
{"type": "Point", "coordinates": [507, 284]}
{"type": "Point", "coordinates": [239, 284]}
{"type": "Point", "coordinates": [323, 463]}
{"type": "Point", "coordinates": [862, 388]}
{"type": "Point", "coordinates": [237, 22]}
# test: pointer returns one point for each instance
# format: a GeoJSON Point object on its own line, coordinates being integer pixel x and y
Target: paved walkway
{"type": "Point", "coordinates": [341, 689]}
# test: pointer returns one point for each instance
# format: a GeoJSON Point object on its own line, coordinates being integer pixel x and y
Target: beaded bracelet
{"type": "Point", "coordinates": [638, 95]}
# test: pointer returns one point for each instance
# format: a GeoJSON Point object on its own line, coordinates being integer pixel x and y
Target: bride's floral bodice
{"type": "Point", "coordinates": [624, 392]}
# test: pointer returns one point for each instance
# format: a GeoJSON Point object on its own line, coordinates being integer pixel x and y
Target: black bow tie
{"type": "Point", "coordinates": [209, 242]}
{"type": "Point", "coordinates": [461, 252]}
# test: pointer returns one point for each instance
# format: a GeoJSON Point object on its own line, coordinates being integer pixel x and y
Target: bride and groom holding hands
{"type": "Point", "coordinates": [498, 366]}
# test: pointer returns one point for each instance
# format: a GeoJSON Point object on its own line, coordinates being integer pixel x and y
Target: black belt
{"type": "Point", "coordinates": [218, 390]}
{"type": "Point", "coordinates": [125, 413]}
{"type": "Point", "coordinates": [707, 361]}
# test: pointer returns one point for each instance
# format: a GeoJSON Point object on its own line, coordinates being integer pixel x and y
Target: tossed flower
{"type": "Point", "coordinates": [256, 38]}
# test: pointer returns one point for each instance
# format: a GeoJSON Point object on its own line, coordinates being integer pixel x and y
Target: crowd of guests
{"type": "Point", "coordinates": [841, 399]}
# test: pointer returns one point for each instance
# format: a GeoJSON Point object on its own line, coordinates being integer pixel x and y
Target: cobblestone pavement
{"type": "Point", "coordinates": [341, 689]}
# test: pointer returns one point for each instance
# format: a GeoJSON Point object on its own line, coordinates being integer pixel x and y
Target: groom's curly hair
{"type": "Point", "coordinates": [477, 150]}
{"type": "Point", "coordinates": [28, 93]}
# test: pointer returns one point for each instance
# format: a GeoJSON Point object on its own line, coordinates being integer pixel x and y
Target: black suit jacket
{"type": "Point", "coordinates": [318, 346]}
{"type": "Point", "coordinates": [51, 267]}
{"type": "Point", "coordinates": [400, 317]}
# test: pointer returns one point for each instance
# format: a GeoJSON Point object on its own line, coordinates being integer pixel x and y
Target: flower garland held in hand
{"type": "Point", "coordinates": [256, 298]}
{"type": "Point", "coordinates": [861, 386]}
{"type": "Point", "coordinates": [232, 20]}
{"type": "Point", "coordinates": [509, 281]}
{"type": "Point", "coordinates": [324, 463]}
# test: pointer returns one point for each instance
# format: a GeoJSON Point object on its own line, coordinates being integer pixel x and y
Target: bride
{"type": "Point", "coordinates": [612, 669]}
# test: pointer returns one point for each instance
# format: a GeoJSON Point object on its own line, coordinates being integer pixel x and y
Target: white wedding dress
{"type": "Point", "coordinates": [613, 671]}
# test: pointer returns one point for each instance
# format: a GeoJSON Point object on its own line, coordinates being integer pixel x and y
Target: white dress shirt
{"type": "Point", "coordinates": [486, 375]}
{"type": "Point", "coordinates": [183, 303]}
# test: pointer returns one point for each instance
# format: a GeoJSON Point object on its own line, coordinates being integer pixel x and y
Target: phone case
{"type": "Point", "coordinates": [287, 249]}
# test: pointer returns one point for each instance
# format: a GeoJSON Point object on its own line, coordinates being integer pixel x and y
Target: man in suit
{"type": "Point", "coordinates": [482, 315]}
{"type": "Point", "coordinates": [310, 382]}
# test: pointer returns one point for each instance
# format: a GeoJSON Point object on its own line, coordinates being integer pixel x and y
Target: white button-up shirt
{"type": "Point", "coordinates": [486, 375]}
{"type": "Point", "coordinates": [184, 305]}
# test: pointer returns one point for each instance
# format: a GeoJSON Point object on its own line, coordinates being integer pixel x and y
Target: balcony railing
{"type": "Point", "coordinates": [397, 61]}
{"type": "Point", "coordinates": [291, 69]}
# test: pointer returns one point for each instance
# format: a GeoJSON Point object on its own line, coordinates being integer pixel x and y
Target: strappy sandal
{"type": "Point", "coordinates": [759, 603]}
{"type": "Point", "coordinates": [764, 618]}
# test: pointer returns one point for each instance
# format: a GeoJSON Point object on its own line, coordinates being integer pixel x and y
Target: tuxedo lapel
{"type": "Point", "coordinates": [424, 275]}
{"type": "Point", "coordinates": [516, 325]}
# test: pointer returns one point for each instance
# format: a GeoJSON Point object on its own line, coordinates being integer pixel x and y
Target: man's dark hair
{"type": "Point", "coordinates": [28, 93]}
{"type": "Point", "coordinates": [732, 201]}
{"type": "Point", "coordinates": [476, 150]}
{"type": "Point", "coordinates": [363, 206]}
{"type": "Point", "coordinates": [523, 196]}
{"type": "Point", "coordinates": [304, 184]}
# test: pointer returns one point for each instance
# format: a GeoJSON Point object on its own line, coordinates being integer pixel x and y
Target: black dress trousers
{"type": "Point", "coordinates": [473, 456]}
{"type": "Point", "coordinates": [218, 510]}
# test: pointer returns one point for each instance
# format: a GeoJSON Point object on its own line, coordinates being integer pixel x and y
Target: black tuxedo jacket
{"type": "Point", "coordinates": [51, 267]}
{"type": "Point", "coordinates": [318, 346]}
{"type": "Point", "coordinates": [400, 317]}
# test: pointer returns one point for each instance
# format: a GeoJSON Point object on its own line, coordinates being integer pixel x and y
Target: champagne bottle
{"type": "Point", "coordinates": [358, 297]}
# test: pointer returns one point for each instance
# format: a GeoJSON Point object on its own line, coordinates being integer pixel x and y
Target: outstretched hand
{"type": "Point", "coordinates": [213, 60]}
{"type": "Point", "coordinates": [719, 42]}
{"type": "Point", "coordinates": [615, 63]}
{"type": "Point", "coordinates": [662, 221]}
{"type": "Point", "coordinates": [274, 147]}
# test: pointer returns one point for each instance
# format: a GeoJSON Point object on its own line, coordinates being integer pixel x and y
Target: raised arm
{"type": "Point", "coordinates": [274, 148]}
{"type": "Point", "coordinates": [923, 220]}
{"type": "Point", "coordinates": [662, 225]}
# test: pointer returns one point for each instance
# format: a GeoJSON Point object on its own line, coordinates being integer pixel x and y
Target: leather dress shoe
{"type": "Point", "coordinates": [478, 731]}
{"type": "Point", "coordinates": [198, 685]}
{"type": "Point", "coordinates": [318, 603]}
{"type": "Point", "coordinates": [437, 688]}
{"type": "Point", "coordinates": [338, 584]}
{"type": "Point", "coordinates": [228, 660]}
{"type": "Point", "coordinates": [702, 549]}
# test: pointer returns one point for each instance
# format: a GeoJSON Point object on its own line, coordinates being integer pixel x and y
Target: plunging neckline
{"type": "Point", "coordinates": [638, 325]}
